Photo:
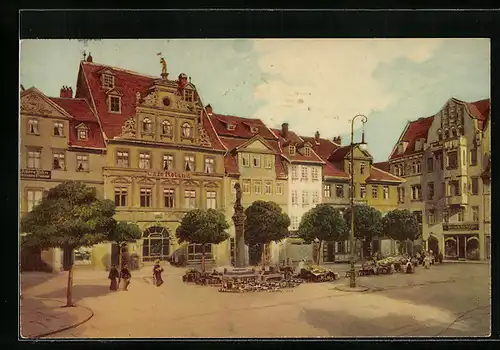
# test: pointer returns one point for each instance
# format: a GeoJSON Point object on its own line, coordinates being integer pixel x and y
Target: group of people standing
{"type": "Point", "coordinates": [117, 277]}
{"type": "Point", "coordinates": [124, 276]}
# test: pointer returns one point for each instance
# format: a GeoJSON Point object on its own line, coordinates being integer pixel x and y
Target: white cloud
{"type": "Point", "coordinates": [320, 84]}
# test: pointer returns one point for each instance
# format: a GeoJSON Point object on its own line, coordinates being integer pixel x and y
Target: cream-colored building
{"type": "Point", "coordinates": [60, 140]}
{"type": "Point", "coordinates": [443, 157]}
{"type": "Point", "coordinates": [253, 160]}
{"type": "Point", "coordinates": [163, 157]}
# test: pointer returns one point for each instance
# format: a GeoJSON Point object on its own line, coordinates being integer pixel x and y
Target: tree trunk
{"type": "Point", "coordinates": [202, 258]}
{"type": "Point", "coordinates": [120, 257]}
{"type": "Point", "coordinates": [69, 289]}
{"type": "Point", "coordinates": [319, 252]}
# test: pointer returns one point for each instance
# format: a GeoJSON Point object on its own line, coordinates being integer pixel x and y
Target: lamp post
{"type": "Point", "coordinates": [363, 147]}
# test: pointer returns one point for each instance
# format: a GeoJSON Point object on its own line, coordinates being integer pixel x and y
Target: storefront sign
{"type": "Point", "coordinates": [35, 174]}
{"type": "Point", "coordinates": [168, 175]}
{"type": "Point", "coordinates": [460, 227]}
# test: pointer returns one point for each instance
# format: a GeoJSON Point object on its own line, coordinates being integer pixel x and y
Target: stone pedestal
{"type": "Point", "coordinates": [239, 241]}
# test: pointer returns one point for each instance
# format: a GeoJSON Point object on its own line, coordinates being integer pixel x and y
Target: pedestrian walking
{"type": "Point", "coordinates": [427, 260]}
{"type": "Point", "coordinates": [157, 271]}
{"type": "Point", "coordinates": [114, 275]}
{"type": "Point", "coordinates": [126, 276]}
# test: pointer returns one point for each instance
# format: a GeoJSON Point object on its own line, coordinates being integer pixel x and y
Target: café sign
{"type": "Point", "coordinates": [168, 175]}
{"type": "Point", "coordinates": [35, 174]}
{"type": "Point", "coordinates": [460, 227]}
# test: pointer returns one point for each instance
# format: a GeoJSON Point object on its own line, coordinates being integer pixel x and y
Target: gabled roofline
{"type": "Point", "coordinates": [398, 179]}
{"type": "Point", "coordinates": [93, 102]}
{"type": "Point", "coordinates": [46, 99]}
{"type": "Point", "coordinates": [252, 140]}
{"type": "Point", "coordinates": [210, 121]}
{"type": "Point", "coordinates": [400, 139]}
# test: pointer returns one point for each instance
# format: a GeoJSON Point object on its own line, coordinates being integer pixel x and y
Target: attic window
{"type": "Point", "coordinates": [400, 148]}
{"type": "Point", "coordinates": [291, 150]}
{"type": "Point", "coordinates": [307, 151]}
{"type": "Point", "coordinates": [254, 129]}
{"type": "Point", "coordinates": [108, 81]}
{"type": "Point", "coordinates": [83, 132]}
{"type": "Point", "coordinates": [231, 126]}
{"type": "Point", "coordinates": [115, 104]}
{"type": "Point", "coordinates": [417, 145]}
{"type": "Point", "coordinates": [188, 95]}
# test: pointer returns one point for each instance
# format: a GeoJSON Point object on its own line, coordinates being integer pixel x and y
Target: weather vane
{"type": "Point", "coordinates": [163, 63]}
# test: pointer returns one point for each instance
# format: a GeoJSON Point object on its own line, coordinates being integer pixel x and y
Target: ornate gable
{"type": "Point", "coordinates": [34, 102]}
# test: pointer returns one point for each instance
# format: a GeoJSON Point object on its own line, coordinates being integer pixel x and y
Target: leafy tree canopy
{"type": "Point", "coordinates": [125, 232]}
{"type": "Point", "coordinates": [203, 227]}
{"type": "Point", "coordinates": [70, 215]}
{"type": "Point", "coordinates": [323, 222]}
{"type": "Point", "coordinates": [265, 222]}
{"type": "Point", "coordinates": [400, 225]}
{"type": "Point", "coordinates": [367, 221]}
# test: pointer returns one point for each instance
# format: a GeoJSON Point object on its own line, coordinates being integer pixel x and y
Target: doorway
{"type": "Point", "coordinates": [329, 252]}
{"type": "Point", "coordinates": [433, 244]}
{"type": "Point", "coordinates": [461, 247]}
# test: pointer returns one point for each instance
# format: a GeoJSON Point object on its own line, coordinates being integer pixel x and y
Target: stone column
{"type": "Point", "coordinates": [239, 221]}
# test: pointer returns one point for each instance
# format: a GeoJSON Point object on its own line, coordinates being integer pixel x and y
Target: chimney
{"type": "Point", "coordinates": [208, 108]}
{"type": "Point", "coordinates": [284, 130]}
{"type": "Point", "coordinates": [337, 140]}
{"type": "Point", "coordinates": [316, 137]}
{"type": "Point", "coordinates": [66, 92]}
{"type": "Point", "coordinates": [89, 58]}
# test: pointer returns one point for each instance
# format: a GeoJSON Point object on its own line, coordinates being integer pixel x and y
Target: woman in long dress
{"type": "Point", "coordinates": [157, 270]}
{"type": "Point", "coordinates": [113, 276]}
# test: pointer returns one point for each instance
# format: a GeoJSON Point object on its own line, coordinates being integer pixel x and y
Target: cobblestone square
{"type": "Point", "coordinates": [447, 300]}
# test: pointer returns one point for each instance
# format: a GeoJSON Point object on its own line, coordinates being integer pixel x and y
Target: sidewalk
{"type": "Point", "coordinates": [43, 317]}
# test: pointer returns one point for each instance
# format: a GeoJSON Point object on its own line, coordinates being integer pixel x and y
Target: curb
{"type": "Point", "coordinates": [65, 328]}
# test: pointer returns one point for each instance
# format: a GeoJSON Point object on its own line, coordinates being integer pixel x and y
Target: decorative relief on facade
{"type": "Point", "coordinates": [151, 100]}
{"type": "Point", "coordinates": [171, 182]}
{"type": "Point", "coordinates": [190, 183]}
{"type": "Point", "coordinates": [121, 180]}
{"type": "Point", "coordinates": [33, 104]}
{"type": "Point", "coordinates": [211, 185]}
{"type": "Point", "coordinates": [145, 181]}
{"type": "Point", "coordinates": [183, 105]}
{"type": "Point", "coordinates": [204, 139]}
{"type": "Point", "coordinates": [129, 128]}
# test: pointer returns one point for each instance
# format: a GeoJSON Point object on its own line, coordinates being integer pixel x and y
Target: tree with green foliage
{"type": "Point", "coordinates": [122, 233]}
{"type": "Point", "coordinates": [69, 217]}
{"type": "Point", "coordinates": [324, 223]}
{"type": "Point", "coordinates": [264, 223]}
{"type": "Point", "coordinates": [367, 224]}
{"type": "Point", "coordinates": [203, 227]}
{"type": "Point", "coordinates": [401, 225]}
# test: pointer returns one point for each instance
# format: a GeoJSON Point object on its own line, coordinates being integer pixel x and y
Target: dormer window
{"type": "Point", "coordinates": [186, 130]}
{"type": "Point", "coordinates": [307, 151]}
{"type": "Point", "coordinates": [254, 129]}
{"type": "Point", "coordinates": [188, 95]}
{"type": "Point", "coordinates": [115, 104]}
{"type": "Point", "coordinates": [108, 81]}
{"type": "Point", "coordinates": [147, 126]}
{"type": "Point", "coordinates": [83, 132]}
{"type": "Point", "coordinates": [291, 150]}
{"type": "Point", "coordinates": [400, 148]}
{"type": "Point", "coordinates": [231, 127]}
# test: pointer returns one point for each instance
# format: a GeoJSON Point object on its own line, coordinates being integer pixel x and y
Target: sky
{"type": "Point", "coordinates": [311, 84]}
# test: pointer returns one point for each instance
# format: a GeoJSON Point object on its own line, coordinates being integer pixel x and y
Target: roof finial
{"type": "Point", "coordinates": [164, 73]}
{"type": "Point", "coordinates": [84, 55]}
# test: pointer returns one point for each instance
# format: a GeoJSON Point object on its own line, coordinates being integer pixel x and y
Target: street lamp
{"type": "Point", "coordinates": [363, 147]}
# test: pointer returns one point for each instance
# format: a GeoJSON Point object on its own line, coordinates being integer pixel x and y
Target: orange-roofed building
{"type": "Point", "coordinates": [443, 159]}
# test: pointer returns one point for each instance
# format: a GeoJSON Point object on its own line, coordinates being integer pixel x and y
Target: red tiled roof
{"type": "Point", "coordinates": [325, 147]}
{"type": "Point", "coordinates": [81, 112]}
{"type": "Point", "coordinates": [281, 171]}
{"type": "Point", "coordinates": [298, 141]}
{"type": "Point", "coordinates": [231, 164]}
{"type": "Point", "coordinates": [385, 166]}
{"type": "Point", "coordinates": [242, 126]}
{"type": "Point", "coordinates": [339, 154]}
{"type": "Point", "coordinates": [480, 110]}
{"type": "Point", "coordinates": [415, 130]}
{"type": "Point", "coordinates": [378, 175]}
{"type": "Point", "coordinates": [330, 170]}
{"type": "Point", "coordinates": [127, 83]}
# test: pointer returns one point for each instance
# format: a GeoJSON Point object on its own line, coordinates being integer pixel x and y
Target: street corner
{"type": "Point", "coordinates": [44, 317]}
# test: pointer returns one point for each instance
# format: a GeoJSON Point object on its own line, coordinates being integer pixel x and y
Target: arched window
{"type": "Point", "coordinates": [155, 244]}
{"type": "Point", "coordinates": [147, 126]}
{"type": "Point", "coordinates": [166, 128]}
{"type": "Point", "coordinates": [186, 130]}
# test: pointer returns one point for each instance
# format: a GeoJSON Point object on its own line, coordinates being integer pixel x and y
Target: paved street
{"type": "Point", "coordinates": [447, 300]}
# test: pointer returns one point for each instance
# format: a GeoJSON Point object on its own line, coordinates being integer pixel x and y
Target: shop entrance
{"type": "Point", "coordinates": [155, 244]}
